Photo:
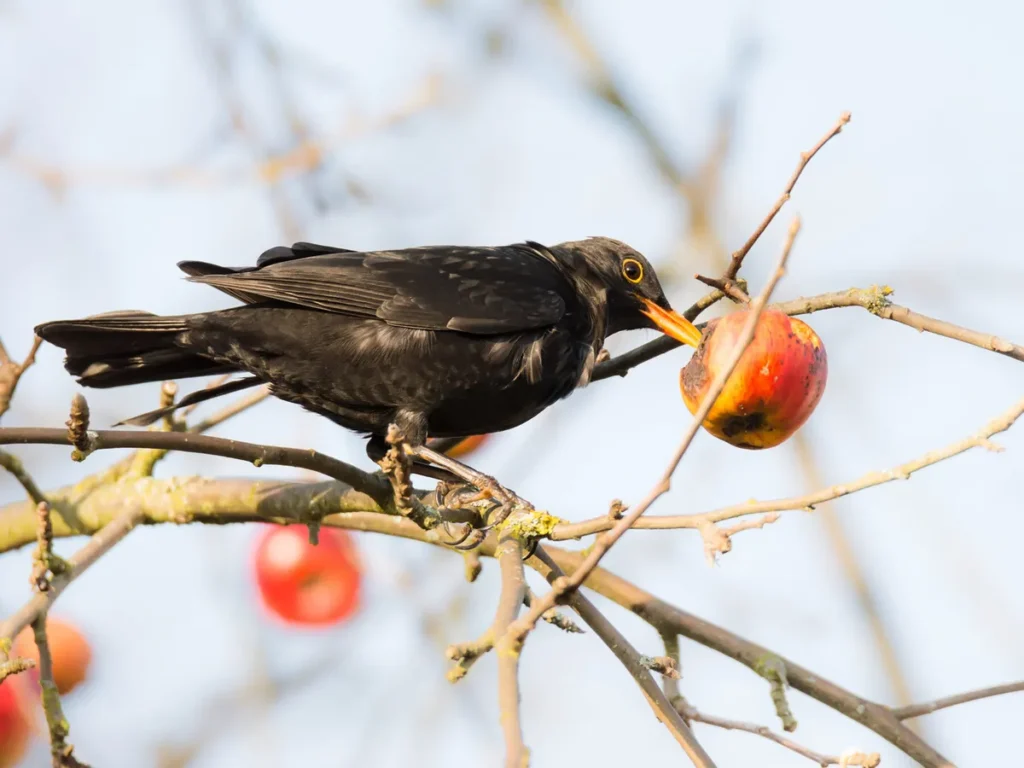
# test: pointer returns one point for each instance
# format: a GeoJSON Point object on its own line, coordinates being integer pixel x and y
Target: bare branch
{"type": "Point", "coordinates": [805, 157]}
{"type": "Point", "coordinates": [731, 288]}
{"type": "Point", "coordinates": [11, 372]}
{"type": "Point", "coordinates": [184, 500]}
{"type": "Point", "coordinates": [211, 446]}
{"type": "Point", "coordinates": [513, 593]}
{"type": "Point", "coordinates": [553, 617]}
{"type": "Point", "coordinates": [605, 542]}
{"type": "Point", "coordinates": [873, 299]}
{"type": "Point", "coordinates": [545, 563]}
{"type": "Point", "coordinates": [916, 710]}
{"type": "Point", "coordinates": [13, 465]}
{"type": "Point", "coordinates": [859, 759]}
{"type": "Point", "coordinates": [100, 543]}
{"type": "Point", "coordinates": [980, 439]}
{"type": "Point", "coordinates": [61, 752]}
{"type": "Point", "coordinates": [233, 409]}
{"type": "Point", "coordinates": [668, 619]}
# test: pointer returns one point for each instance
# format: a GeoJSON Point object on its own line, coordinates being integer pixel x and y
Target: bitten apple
{"type": "Point", "coordinates": [306, 584]}
{"type": "Point", "coordinates": [775, 387]}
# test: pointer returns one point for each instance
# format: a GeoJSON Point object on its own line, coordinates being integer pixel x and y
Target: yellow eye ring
{"type": "Point", "coordinates": [632, 270]}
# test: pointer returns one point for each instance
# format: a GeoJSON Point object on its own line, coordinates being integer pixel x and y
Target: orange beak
{"type": "Point", "coordinates": [672, 323]}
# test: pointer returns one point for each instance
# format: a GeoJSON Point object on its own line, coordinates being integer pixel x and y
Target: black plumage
{"type": "Point", "coordinates": [444, 341]}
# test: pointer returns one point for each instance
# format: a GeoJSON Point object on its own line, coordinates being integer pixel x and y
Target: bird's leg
{"type": "Point", "coordinates": [396, 464]}
{"type": "Point", "coordinates": [488, 487]}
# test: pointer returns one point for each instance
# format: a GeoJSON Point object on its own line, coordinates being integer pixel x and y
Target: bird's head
{"type": "Point", "coordinates": [634, 296]}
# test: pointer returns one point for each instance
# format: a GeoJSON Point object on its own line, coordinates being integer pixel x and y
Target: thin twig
{"type": "Point", "coordinates": [874, 299]}
{"type": "Point", "coordinates": [805, 157]}
{"type": "Point", "coordinates": [729, 288]}
{"type": "Point", "coordinates": [61, 752]}
{"type": "Point", "coordinates": [606, 541]}
{"type": "Point", "coordinates": [670, 684]}
{"type": "Point", "coordinates": [980, 439]}
{"type": "Point", "coordinates": [553, 617]}
{"type": "Point", "coordinates": [545, 563]}
{"type": "Point", "coordinates": [466, 654]}
{"type": "Point", "coordinates": [44, 563]}
{"type": "Point", "coordinates": [211, 446]}
{"type": "Point", "coordinates": [13, 464]}
{"type": "Point", "coordinates": [666, 618]}
{"type": "Point", "coordinates": [926, 708]}
{"type": "Point", "coordinates": [100, 543]}
{"type": "Point", "coordinates": [691, 713]}
{"type": "Point", "coordinates": [11, 372]}
{"type": "Point", "coordinates": [513, 592]}
{"type": "Point", "coordinates": [232, 409]}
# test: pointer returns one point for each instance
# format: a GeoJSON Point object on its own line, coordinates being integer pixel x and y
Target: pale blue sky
{"type": "Point", "coordinates": [921, 192]}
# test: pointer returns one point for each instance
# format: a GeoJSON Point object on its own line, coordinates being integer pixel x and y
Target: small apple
{"type": "Point", "coordinates": [69, 650]}
{"type": "Point", "coordinates": [306, 584]}
{"type": "Point", "coordinates": [466, 446]}
{"type": "Point", "coordinates": [773, 390]}
{"type": "Point", "coordinates": [15, 725]}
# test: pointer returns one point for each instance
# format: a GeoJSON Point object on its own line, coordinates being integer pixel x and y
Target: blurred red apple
{"type": "Point", "coordinates": [305, 584]}
{"type": "Point", "coordinates": [773, 390]}
{"type": "Point", "coordinates": [15, 725]}
{"type": "Point", "coordinates": [467, 446]}
{"type": "Point", "coordinates": [70, 651]}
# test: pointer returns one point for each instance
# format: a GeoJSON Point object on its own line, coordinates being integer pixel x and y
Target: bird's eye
{"type": "Point", "coordinates": [632, 270]}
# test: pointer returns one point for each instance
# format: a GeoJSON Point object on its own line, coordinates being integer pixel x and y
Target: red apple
{"type": "Point", "coordinates": [69, 650]}
{"type": "Point", "coordinates": [773, 390]}
{"type": "Point", "coordinates": [467, 446]}
{"type": "Point", "coordinates": [15, 725]}
{"type": "Point", "coordinates": [305, 584]}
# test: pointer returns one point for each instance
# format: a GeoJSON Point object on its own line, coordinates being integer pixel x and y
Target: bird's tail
{"type": "Point", "coordinates": [120, 348]}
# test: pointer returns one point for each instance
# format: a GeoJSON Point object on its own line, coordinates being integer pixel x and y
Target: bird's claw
{"type": "Point", "coordinates": [471, 539]}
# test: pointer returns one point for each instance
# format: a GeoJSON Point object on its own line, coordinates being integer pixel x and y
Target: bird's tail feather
{"type": "Point", "coordinates": [151, 417]}
{"type": "Point", "coordinates": [120, 348]}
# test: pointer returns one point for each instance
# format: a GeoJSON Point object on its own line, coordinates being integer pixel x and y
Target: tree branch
{"type": "Point", "coordinates": [666, 618]}
{"type": "Point", "coordinates": [805, 157]}
{"type": "Point", "coordinates": [606, 541]}
{"type": "Point", "coordinates": [61, 752]}
{"type": "Point", "coordinates": [188, 442]}
{"type": "Point", "coordinates": [86, 508]}
{"type": "Point", "coordinates": [874, 300]}
{"type": "Point", "coordinates": [691, 713]}
{"type": "Point", "coordinates": [916, 710]}
{"type": "Point", "coordinates": [513, 593]}
{"type": "Point", "coordinates": [100, 543]}
{"type": "Point", "coordinates": [11, 372]}
{"type": "Point", "coordinates": [545, 564]}
{"type": "Point", "coordinates": [980, 439]}
{"type": "Point", "coordinates": [13, 464]}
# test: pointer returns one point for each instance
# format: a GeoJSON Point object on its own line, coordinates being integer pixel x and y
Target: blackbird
{"type": "Point", "coordinates": [445, 341]}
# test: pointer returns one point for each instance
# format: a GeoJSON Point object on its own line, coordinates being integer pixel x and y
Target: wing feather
{"type": "Point", "coordinates": [481, 291]}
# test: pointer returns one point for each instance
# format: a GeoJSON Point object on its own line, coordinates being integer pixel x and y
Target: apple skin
{"type": "Point", "coordinates": [69, 650]}
{"type": "Point", "coordinates": [775, 387]}
{"type": "Point", "coordinates": [308, 585]}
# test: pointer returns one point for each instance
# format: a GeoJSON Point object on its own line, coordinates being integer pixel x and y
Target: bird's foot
{"type": "Point", "coordinates": [486, 487]}
{"type": "Point", "coordinates": [397, 465]}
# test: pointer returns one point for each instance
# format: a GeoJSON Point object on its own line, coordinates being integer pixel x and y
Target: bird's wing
{"type": "Point", "coordinates": [481, 291]}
